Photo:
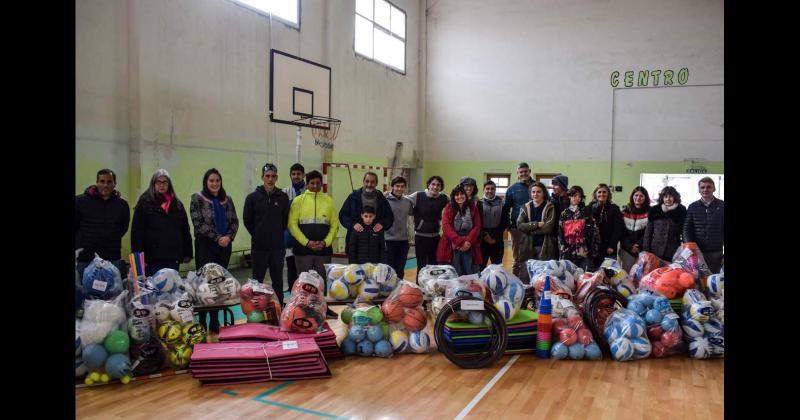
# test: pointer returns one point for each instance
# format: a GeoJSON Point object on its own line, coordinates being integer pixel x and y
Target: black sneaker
{"type": "Point", "coordinates": [330, 314]}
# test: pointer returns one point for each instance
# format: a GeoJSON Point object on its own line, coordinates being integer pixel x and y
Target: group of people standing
{"type": "Point", "coordinates": [296, 225]}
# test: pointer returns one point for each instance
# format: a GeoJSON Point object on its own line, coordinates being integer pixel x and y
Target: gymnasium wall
{"type": "Point", "coordinates": [513, 80]}
{"type": "Point", "coordinates": [183, 85]}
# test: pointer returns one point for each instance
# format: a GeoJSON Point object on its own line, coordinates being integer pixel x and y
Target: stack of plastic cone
{"type": "Point", "coordinates": [545, 323]}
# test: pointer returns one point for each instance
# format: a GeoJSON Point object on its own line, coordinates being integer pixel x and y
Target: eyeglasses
{"type": "Point", "coordinates": [159, 182]}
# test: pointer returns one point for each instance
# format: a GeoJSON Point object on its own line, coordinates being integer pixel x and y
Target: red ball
{"type": "Point", "coordinates": [259, 302]}
{"type": "Point", "coordinates": [670, 339]}
{"type": "Point", "coordinates": [392, 310]}
{"type": "Point", "coordinates": [585, 336]}
{"type": "Point", "coordinates": [568, 336]}
{"type": "Point", "coordinates": [559, 324]}
{"type": "Point", "coordinates": [410, 296]}
{"type": "Point", "coordinates": [658, 349]}
{"type": "Point", "coordinates": [575, 321]}
{"type": "Point", "coordinates": [654, 332]}
{"type": "Point", "coordinates": [415, 319]}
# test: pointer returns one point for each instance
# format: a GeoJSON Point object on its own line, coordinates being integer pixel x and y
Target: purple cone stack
{"type": "Point", "coordinates": [544, 333]}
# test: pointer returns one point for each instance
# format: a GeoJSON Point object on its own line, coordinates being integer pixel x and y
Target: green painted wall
{"type": "Point", "coordinates": [587, 174]}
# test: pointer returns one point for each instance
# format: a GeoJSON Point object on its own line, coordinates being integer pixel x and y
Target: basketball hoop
{"type": "Point", "coordinates": [324, 129]}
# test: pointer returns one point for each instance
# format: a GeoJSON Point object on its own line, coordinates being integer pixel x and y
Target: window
{"type": "Point", "coordinates": [686, 184]}
{"type": "Point", "coordinates": [502, 181]}
{"type": "Point", "coordinates": [286, 10]}
{"type": "Point", "coordinates": [380, 33]}
{"type": "Point", "coordinates": [547, 180]}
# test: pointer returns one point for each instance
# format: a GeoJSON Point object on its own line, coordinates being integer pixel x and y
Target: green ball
{"type": "Point", "coordinates": [375, 315]}
{"type": "Point", "coordinates": [361, 318]}
{"type": "Point", "coordinates": [117, 341]}
{"type": "Point", "coordinates": [346, 315]}
{"type": "Point", "coordinates": [385, 326]}
{"type": "Point", "coordinates": [255, 317]}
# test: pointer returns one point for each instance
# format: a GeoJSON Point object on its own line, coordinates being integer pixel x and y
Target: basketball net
{"type": "Point", "coordinates": [325, 130]}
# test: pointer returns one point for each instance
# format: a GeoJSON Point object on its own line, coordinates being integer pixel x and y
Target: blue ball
{"type": "Point", "coordinates": [348, 347]}
{"type": "Point", "coordinates": [476, 317]}
{"type": "Point", "coordinates": [375, 333]}
{"type": "Point", "coordinates": [647, 300]}
{"type": "Point", "coordinates": [637, 307]}
{"type": "Point", "coordinates": [622, 349]}
{"type": "Point", "coordinates": [94, 355]}
{"type": "Point", "coordinates": [662, 305]}
{"type": "Point", "coordinates": [383, 348]}
{"type": "Point", "coordinates": [713, 326]}
{"type": "Point", "coordinates": [365, 348]}
{"type": "Point", "coordinates": [611, 333]}
{"type": "Point", "coordinates": [559, 351]}
{"type": "Point", "coordinates": [101, 279]}
{"type": "Point", "coordinates": [357, 333]}
{"type": "Point", "coordinates": [593, 351]}
{"type": "Point", "coordinates": [631, 328]}
{"type": "Point", "coordinates": [118, 365]}
{"type": "Point", "coordinates": [653, 317]}
{"type": "Point", "coordinates": [576, 351]}
{"type": "Point", "coordinates": [641, 347]}
{"type": "Point", "coordinates": [669, 324]}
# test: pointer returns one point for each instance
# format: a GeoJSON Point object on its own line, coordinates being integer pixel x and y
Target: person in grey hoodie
{"type": "Point", "coordinates": [428, 207]}
{"type": "Point", "coordinates": [397, 236]}
{"type": "Point", "coordinates": [494, 223]}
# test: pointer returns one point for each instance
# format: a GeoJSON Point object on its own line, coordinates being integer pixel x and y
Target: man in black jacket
{"type": "Point", "coordinates": [101, 220]}
{"type": "Point", "coordinates": [705, 224]}
{"type": "Point", "coordinates": [493, 223]}
{"type": "Point", "coordinates": [368, 195]}
{"type": "Point", "coordinates": [266, 216]}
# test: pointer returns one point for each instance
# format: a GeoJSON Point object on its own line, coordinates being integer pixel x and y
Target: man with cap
{"type": "Point", "coordinates": [516, 197]}
{"type": "Point", "coordinates": [368, 195]}
{"type": "Point", "coordinates": [559, 197]}
{"type": "Point", "coordinates": [297, 174]}
{"type": "Point", "coordinates": [266, 215]}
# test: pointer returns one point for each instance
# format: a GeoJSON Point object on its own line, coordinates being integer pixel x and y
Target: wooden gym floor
{"type": "Point", "coordinates": [428, 386]}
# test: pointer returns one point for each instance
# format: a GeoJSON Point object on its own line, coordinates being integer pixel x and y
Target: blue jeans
{"type": "Point", "coordinates": [462, 261]}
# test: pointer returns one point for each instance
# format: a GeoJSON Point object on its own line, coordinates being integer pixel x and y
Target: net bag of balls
{"type": "Point", "coordinates": [571, 337]}
{"type": "Point", "coordinates": [342, 280]}
{"type": "Point", "coordinates": [671, 281]}
{"type": "Point", "coordinates": [213, 285]}
{"type": "Point", "coordinates": [101, 280]}
{"type": "Point", "coordinates": [564, 286]}
{"type": "Point", "coordinates": [646, 263]}
{"type": "Point", "coordinates": [506, 289]}
{"type": "Point", "coordinates": [689, 257]}
{"type": "Point", "coordinates": [464, 286]}
{"type": "Point", "coordinates": [403, 308]}
{"type": "Point", "coordinates": [557, 268]}
{"type": "Point", "coordinates": [368, 332]}
{"type": "Point", "coordinates": [381, 275]}
{"type": "Point", "coordinates": [259, 302]}
{"type": "Point", "coordinates": [625, 333]}
{"type": "Point", "coordinates": [704, 332]}
{"type": "Point", "coordinates": [141, 315]}
{"type": "Point", "coordinates": [662, 323]}
{"type": "Point", "coordinates": [430, 276]}
{"type": "Point", "coordinates": [100, 317]}
{"type": "Point", "coordinates": [305, 311]}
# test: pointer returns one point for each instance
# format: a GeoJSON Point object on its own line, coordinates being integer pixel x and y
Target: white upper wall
{"type": "Point", "coordinates": [511, 75]}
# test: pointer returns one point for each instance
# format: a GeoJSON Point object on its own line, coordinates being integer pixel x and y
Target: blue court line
{"type": "Point", "coordinates": [261, 399]}
{"type": "Point", "coordinates": [411, 263]}
{"type": "Point", "coordinates": [230, 393]}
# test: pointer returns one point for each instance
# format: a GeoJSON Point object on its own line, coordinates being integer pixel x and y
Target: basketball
{"type": "Point", "coordinates": [339, 290]}
{"type": "Point", "coordinates": [365, 348]}
{"type": "Point", "coordinates": [354, 274]}
{"type": "Point", "coordinates": [409, 295]}
{"type": "Point", "coordinates": [399, 340]}
{"type": "Point", "coordinates": [383, 349]}
{"type": "Point", "coordinates": [369, 289]}
{"type": "Point", "coordinates": [392, 310]}
{"type": "Point", "coordinates": [415, 319]}
{"type": "Point", "coordinates": [419, 341]}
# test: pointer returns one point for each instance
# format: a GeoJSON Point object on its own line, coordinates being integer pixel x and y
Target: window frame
{"type": "Point", "coordinates": [490, 175]}
{"type": "Point", "coordinates": [389, 32]}
{"type": "Point", "coordinates": [295, 26]}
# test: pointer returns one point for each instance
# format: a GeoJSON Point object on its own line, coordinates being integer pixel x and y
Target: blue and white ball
{"type": "Point", "coordinates": [716, 282]}
{"type": "Point", "coordinates": [559, 351]}
{"type": "Point", "coordinates": [630, 328]}
{"type": "Point", "coordinates": [713, 326]}
{"type": "Point", "coordinates": [622, 349]}
{"type": "Point", "coordinates": [641, 347]}
{"type": "Point", "coordinates": [496, 281]}
{"type": "Point", "coordinates": [419, 341]}
{"type": "Point", "coordinates": [354, 274]}
{"type": "Point", "coordinates": [612, 333]}
{"type": "Point", "coordinates": [693, 328]}
{"type": "Point", "coordinates": [515, 292]}
{"type": "Point", "coordinates": [369, 289]}
{"type": "Point", "coordinates": [166, 280]}
{"type": "Point", "coordinates": [506, 308]}
{"type": "Point", "coordinates": [700, 348]}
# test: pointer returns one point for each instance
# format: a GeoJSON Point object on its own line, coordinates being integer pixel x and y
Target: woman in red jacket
{"type": "Point", "coordinates": [461, 224]}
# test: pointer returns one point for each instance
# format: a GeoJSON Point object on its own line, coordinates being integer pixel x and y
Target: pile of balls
{"type": "Point", "coordinates": [101, 280]}
{"type": "Point", "coordinates": [366, 281]}
{"type": "Point", "coordinates": [432, 279]}
{"type": "Point", "coordinates": [166, 283]}
{"type": "Point", "coordinates": [572, 339]}
{"type": "Point", "coordinates": [625, 333]}
{"type": "Point", "coordinates": [646, 263]}
{"type": "Point", "coordinates": [259, 303]}
{"type": "Point", "coordinates": [368, 334]}
{"type": "Point", "coordinates": [105, 361]}
{"type": "Point", "coordinates": [180, 340]}
{"type": "Point", "coordinates": [705, 333]}
{"type": "Point", "coordinates": [305, 311]}
{"type": "Point", "coordinates": [507, 291]}
{"type": "Point", "coordinates": [617, 278]}
{"type": "Point", "coordinates": [663, 328]}
{"type": "Point", "coordinates": [383, 275]}
{"type": "Point", "coordinates": [671, 281]}
{"type": "Point", "coordinates": [213, 285]}
{"type": "Point", "coordinates": [716, 292]}
{"type": "Point", "coordinates": [562, 274]}
{"type": "Point", "coordinates": [689, 257]}
{"type": "Point", "coordinates": [460, 287]}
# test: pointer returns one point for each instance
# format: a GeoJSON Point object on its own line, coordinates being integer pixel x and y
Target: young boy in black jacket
{"type": "Point", "coordinates": [366, 246]}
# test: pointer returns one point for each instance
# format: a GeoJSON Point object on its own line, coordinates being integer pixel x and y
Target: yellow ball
{"type": "Point", "coordinates": [339, 290]}
{"type": "Point", "coordinates": [125, 379]}
{"type": "Point", "coordinates": [354, 274]}
{"type": "Point", "coordinates": [94, 376]}
{"type": "Point", "coordinates": [104, 378]}
{"type": "Point", "coordinates": [88, 381]}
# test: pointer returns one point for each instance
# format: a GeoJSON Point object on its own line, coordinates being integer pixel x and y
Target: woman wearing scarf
{"type": "Point", "coordinates": [609, 220]}
{"type": "Point", "coordinates": [664, 225]}
{"type": "Point", "coordinates": [634, 216]}
{"type": "Point", "coordinates": [461, 224]}
{"type": "Point", "coordinates": [215, 225]}
{"type": "Point", "coordinates": [538, 223]}
{"type": "Point", "coordinates": [160, 227]}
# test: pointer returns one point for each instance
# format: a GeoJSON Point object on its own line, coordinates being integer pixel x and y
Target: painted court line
{"type": "Point", "coordinates": [271, 391]}
{"type": "Point", "coordinates": [230, 393]}
{"type": "Point", "coordinates": [486, 389]}
{"type": "Point", "coordinates": [274, 390]}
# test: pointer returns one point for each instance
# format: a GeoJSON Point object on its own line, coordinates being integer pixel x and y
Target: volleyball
{"type": "Point", "coordinates": [399, 340]}
{"type": "Point", "coordinates": [369, 289]}
{"type": "Point", "coordinates": [419, 341]}
{"type": "Point", "coordinates": [339, 290]}
{"type": "Point", "coordinates": [354, 274]}
{"type": "Point", "coordinates": [622, 349]}
{"type": "Point", "coordinates": [699, 348]}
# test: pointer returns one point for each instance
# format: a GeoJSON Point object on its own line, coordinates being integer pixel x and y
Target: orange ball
{"type": "Point", "coordinates": [686, 280]}
{"type": "Point", "coordinates": [415, 319]}
{"type": "Point", "coordinates": [392, 310]}
{"type": "Point", "coordinates": [410, 296]}
{"type": "Point", "coordinates": [668, 291]}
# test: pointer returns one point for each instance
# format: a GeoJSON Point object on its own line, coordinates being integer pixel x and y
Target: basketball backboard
{"type": "Point", "coordinates": [298, 89]}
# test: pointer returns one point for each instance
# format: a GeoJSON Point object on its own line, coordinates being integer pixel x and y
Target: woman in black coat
{"type": "Point", "coordinates": [609, 220]}
{"type": "Point", "coordinates": [664, 225]}
{"type": "Point", "coordinates": [160, 226]}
